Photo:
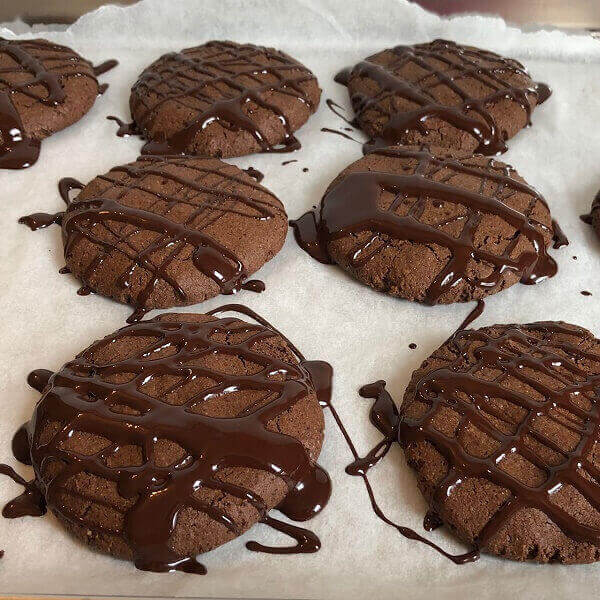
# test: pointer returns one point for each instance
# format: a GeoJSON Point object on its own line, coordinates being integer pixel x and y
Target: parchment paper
{"type": "Point", "coordinates": [364, 334]}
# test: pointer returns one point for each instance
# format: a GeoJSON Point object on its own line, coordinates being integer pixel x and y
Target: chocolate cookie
{"type": "Point", "coordinates": [223, 99]}
{"type": "Point", "coordinates": [443, 94]}
{"type": "Point", "coordinates": [173, 436]}
{"type": "Point", "coordinates": [593, 217]}
{"type": "Point", "coordinates": [434, 226]}
{"type": "Point", "coordinates": [163, 232]}
{"type": "Point", "coordinates": [501, 425]}
{"type": "Point", "coordinates": [44, 87]}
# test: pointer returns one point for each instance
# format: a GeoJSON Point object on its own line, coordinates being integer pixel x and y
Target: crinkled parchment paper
{"type": "Point", "coordinates": [365, 335]}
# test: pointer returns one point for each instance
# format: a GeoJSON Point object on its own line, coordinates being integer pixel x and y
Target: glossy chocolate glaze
{"type": "Point", "coordinates": [210, 257]}
{"type": "Point", "coordinates": [18, 151]}
{"type": "Point", "coordinates": [350, 206]}
{"type": "Point", "coordinates": [79, 396]}
{"type": "Point", "coordinates": [222, 67]}
{"type": "Point", "coordinates": [472, 115]}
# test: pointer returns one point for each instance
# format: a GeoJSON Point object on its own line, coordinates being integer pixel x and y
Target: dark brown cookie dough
{"type": "Point", "coordinates": [443, 94]}
{"type": "Point", "coordinates": [593, 217]}
{"type": "Point", "coordinates": [44, 87]}
{"type": "Point", "coordinates": [223, 99]}
{"type": "Point", "coordinates": [501, 426]}
{"type": "Point", "coordinates": [165, 232]}
{"type": "Point", "coordinates": [434, 226]}
{"type": "Point", "coordinates": [173, 436]}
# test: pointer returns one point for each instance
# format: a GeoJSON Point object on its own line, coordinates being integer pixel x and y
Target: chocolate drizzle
{"type": "Point", "coordinates": [351, 206]}
{"type": "Point", "coordinates": [385, 417]}
{"type": "Point", "coordinates": [81, 397]}
{"type": "Point", "coordinates": [42, 84]}
{"type": "Point", "coordinates": [30, 503]}
{"type": "Point", "coordinates": [201, 74]}
{"type": "Point", "coordinates": [37, 221]}
{"type": "Point", "coordinates": [340, 133]}
{"type": "Point", "coordinates": [125, 129]}
{"type": "Point", "coordinates": [540, 353]}
{"type": "Point", "coordinates": [559, 238]}
{"type": "Point", "coordinates": [41, 220]}
{"type": "Point", "coordinates": [104, 67]}
{"type": "Point", "coordinates": [332, 105]}
{"type": "Point", "coordinates": [471, 114]}
{"type": "Point", "coordinates": [210, 257]}
{"type": "Point", "coordinates": [66, 185]}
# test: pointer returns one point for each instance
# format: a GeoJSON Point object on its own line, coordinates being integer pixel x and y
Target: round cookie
{"type": "Point", "coordinates": [223, 99]}
{"type": "Point", "coordinates": [173, 436]}
{"type": "Point", "coordinates": [44, 87]}
{"type": "Point", "coordinates": [444, 94]}
{"type": "Point", "coordinates": [434, 226]}
{"type": "Point", "coordinates": [163, 232]}
{"type": "Point", "coordinates": [501, 425]}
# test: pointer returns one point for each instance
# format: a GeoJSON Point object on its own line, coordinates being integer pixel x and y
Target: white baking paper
{"type": "Point", "coordinates": [364, 334]}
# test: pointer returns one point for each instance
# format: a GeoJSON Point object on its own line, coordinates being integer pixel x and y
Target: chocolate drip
{"type": "Point", "coordinates": [41, 220]}
{"type": "Point", "coordinates": [39, 379]}
{"type": "Point", "coordinates": [306, 541]}
{"type": "Point", "coordinates": [80, 398]}
{"type": "Point", "coordinates": [107, 65]}
{"type": "Point", "coordinates": [385, 417]}
{"type": "Point", "coordinates": [341, 133]}
{"type": "Point", "coordinates": [254, 173]}
{"type": "Point", "coordinates": [20, 445]}
{"type": "Point", "coordinates": [125, 129]}
{"type": "Point", "coordinates": [587, 219]}
{"type": "Point", "coordinates": [66, 185]}
{"type": "Point", "coordinates": [559, 238]}
{"type": "Point", "coordinates": [351, 207]}
{"type": "Point", "coordinates": [289, 162]}
{"type": "Point", "coordinates": [209, 256]}
{"type": "Point", "coordinates": [444, 389]}
{"type": "Point", "coordinates": [412, 346]}
{"type": "Point", "coordinates": [84, 290]}
{"type": "Point", "coordinates": [474, 314]}
{"type": "Point", "coordinates": [254, 285]}
{"type": "Point", "coordinates": [102, 88]}
{"type": "Point", "coordinates": [472, 115]}
{"type": "Point", "coordinates": [227, 66]}
{"type": "Point", "coordinates": [18, 151]}
{"type": "Point", "coordinates": [586, 293]}
{"type": "Point", "coordinates": [28, 504]}
{"type": "Point", "coordinates": [64, 270]}
{"type": "Point", "coordinates": [332, 107]}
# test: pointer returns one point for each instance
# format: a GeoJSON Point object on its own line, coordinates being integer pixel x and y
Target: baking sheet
{"type": "Point", "coordinates": [365, 335]}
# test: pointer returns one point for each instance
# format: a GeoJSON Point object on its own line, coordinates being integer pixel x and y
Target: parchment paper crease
{"type": "Point", "coordinates": [365, 335]}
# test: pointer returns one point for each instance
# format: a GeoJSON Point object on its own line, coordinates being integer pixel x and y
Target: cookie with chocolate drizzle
{"type": "Point", "coordinates": [442, 93]}
{"type": "Point", "coordinates": [163, 232]}
{"type": "Point", "coordinates": [432, 225]}
{"type": "Point", "coordinates": [44, 87]}
{"type": "Point", "coordinates": [223, 99]}
{"type": "Point", "coordinates": [173, 436]}
{"type": "Point", "coordinates": [502, 428]}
